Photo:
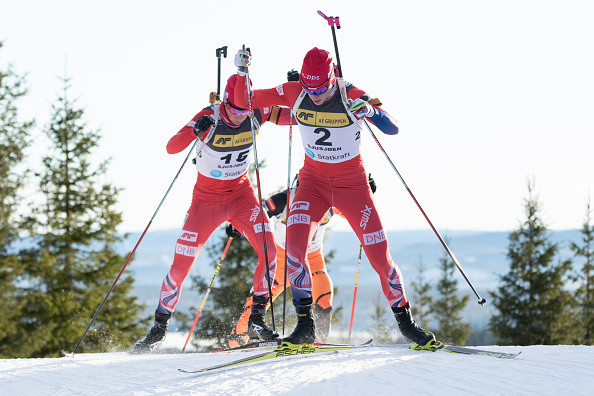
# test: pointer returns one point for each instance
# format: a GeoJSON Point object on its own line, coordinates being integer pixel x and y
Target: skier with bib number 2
{"type": "Point", "coordinates": [223, 192]}
{"type": "Point", "coordinates": [328, 111]}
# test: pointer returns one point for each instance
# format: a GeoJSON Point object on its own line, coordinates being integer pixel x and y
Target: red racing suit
{"type": "Point", "coordinates": [333, 175]}
{"type": "Point", "coordinates": [222, 192]}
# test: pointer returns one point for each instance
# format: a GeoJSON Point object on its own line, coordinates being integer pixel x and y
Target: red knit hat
{"type": "Point", "coordinates": [317, 70]}
{"type": "Point", "coordinates": [229, 90]}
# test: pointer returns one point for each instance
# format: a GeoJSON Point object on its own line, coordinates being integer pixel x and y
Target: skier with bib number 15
{"type": "Point", "coordinates": [328, 111]}
{"type": "Point", "coordinates": [223, 192]}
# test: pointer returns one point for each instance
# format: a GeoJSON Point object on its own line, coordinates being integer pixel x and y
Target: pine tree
{"type": "Point", "coordinates": [585, 278]}
{"type": "Point", "coordinates": [14, 139]}
{"type": "Point", "coordinates": [448, 306]}
{"type": "Point", "coordinates": [68, 272]}
{"type": "Point", "coordinates": [533, 306]}
{"type": "Point", "coordinates": [423, 301]}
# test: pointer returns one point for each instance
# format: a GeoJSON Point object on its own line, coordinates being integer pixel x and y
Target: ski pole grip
{"type": "Point", "coordinates": [222, 51]}
{"type": "Point", "coordinates": [332, 21]}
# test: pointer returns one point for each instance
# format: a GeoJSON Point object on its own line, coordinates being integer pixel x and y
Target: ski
{"type": "Point", "coordinates": [459, 350]}
{"type": "Point", "coordinates": [275, 344]}
{"type": "Point", "coordinates": [251, 346]}
{"type": "Point", "coordinates": [366, 343]}
{"type": "Point", "coordinates": [473, 351]}
{"type": "Point", "coordinates": [285, 350]}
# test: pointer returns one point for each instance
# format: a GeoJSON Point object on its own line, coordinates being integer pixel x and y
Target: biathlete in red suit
{"type": "Point", "coordinates": [223, 192]}
{"type": "Point", "coordinates": [333, 175]}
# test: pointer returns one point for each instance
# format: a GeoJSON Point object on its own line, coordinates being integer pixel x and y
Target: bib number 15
{"type": "Point", "coordinates": [240, 157]}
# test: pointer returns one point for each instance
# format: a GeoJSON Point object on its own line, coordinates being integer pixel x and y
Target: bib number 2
{"type": "Point", "coordinates": [325, 136]}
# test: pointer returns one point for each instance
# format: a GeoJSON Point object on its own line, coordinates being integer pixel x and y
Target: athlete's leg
{"type": "Point", "coordinates": [309, 206]}
{"type": "Point", "coordinates": [362, 215]}
{"type": "Point", "coordinates": [307, 209]}
{"type": "Point", "coordinates": [201, 220]}
{"type": "Point", "coordinates": [189, 243]}
{"type": "Point", "coordinates": [279, 278]}
{"type": "Point", "coordinates": [322, 293]}
{"type": "Point", "coordinates": [355, 200]}
{"type": "Point", "coordinates": [246, 217]}
{"type": "Point", "coordinates": [239, 334]}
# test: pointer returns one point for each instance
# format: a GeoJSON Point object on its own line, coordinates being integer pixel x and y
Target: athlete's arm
{"type": "Point", "coordinates": [381, 118]}
{"type": "Point", "coordinates": [185, 136]}
{"type": "Point", "coordinates": [283, 95]}
{"type": "Point", "coordinates": [280, 116]}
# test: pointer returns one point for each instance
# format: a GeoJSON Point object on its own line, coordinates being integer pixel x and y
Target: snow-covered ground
{"type": "Point", "coordinates": [538, 370]}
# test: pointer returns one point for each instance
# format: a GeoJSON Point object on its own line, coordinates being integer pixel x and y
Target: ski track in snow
{"type": "Point", "coordinates": [543, 370]}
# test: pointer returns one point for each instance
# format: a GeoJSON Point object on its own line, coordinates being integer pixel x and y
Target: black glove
{"type": "Point", "coordinates": [276, 204]}
{"type": "Point", "coordinates": [232, 232]}
{"type": "Point", "coordinates": [202, 125]}
{"type": "Point", "coordinates": [372, 184]}
{"type": "Point", "coordinates": [292, 75]}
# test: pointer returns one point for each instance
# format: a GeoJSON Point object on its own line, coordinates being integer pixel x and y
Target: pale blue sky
{"type": "Point", "coordinates": [487, 93]}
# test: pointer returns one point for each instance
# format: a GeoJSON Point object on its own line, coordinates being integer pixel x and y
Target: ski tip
{"type": "Point", "coordinates": [511, 355]}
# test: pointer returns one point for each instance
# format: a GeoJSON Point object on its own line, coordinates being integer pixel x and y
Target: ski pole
{"type": "Point", "coordinates": [254, 126]}
{"type": "Point", "coordinates": [335, 21]}
{"type": "Point", "coordinates": [131, 254]}
{"type": "Point", "coordinates": [355, 292]}
{"type": "Point", "coordinates": [288, 207]}
{"type": "Point", "coordinates": [219, 52]}
{"type": "Point", "coordinates": [207, 293]}
{"type": "Point", "coordinates": [290, 77]}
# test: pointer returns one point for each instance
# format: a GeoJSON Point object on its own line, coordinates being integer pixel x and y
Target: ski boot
{"type": "Point", "coordinates": [323, 322]}
{"type": "Point", "coordinates": [305, 331]}
{"type": "Point", "coordinates": [257, 328]}
{"type": "Point", "coordinates": [419, 337]}
{"type": "Point", "coordinates": [155, 336]}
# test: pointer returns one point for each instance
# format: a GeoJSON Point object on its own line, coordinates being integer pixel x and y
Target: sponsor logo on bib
{"type": "Point", "coordinates": [309, 117]}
